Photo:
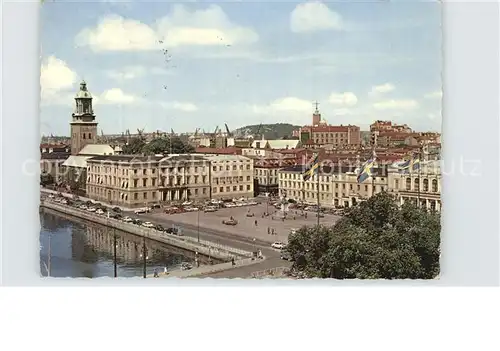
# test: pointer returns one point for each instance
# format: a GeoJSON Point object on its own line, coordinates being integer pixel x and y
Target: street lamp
{"type": "Point", "coordinates": [144, 257]}
{"type": "Point", "coordinates": [198, 226]}
{"type": "Point", "coordinates": [114, 253]}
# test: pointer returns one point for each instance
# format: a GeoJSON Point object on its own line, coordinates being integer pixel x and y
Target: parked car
{"type": "Point", "coordinates": [278, 245]}
{"type": "Point", "coordinates": [159, 227]}
{"type": "Point", "coordinates": [117, 209]}
{"type": "Point", "coordinates": [148, 225]}
{"type": "Point", "coordinates": [186, 266]}
{"type": "Point", "coordinates": [229, 222]}
{"type": "Point", "coordinates": [91, 209]}
{"type": "Point", "coordinates": [99, 211]}
{"type": "Point", "coordinates": [156, 206]}
{"type": "Point", "coordinates": [173, 230]}
{"type": "Point", "coordinates": [187, 203]}
{"type": "Point", "coordinates": [210, 209]}
{"type": "Point", "coordinates": [191, 209]}
{"type": "Point", "coordinates": [127, 219]}
{"type": "Point", "coordinates": [141, 211]}
{"type": "Point", "coordinates": [137, 222]}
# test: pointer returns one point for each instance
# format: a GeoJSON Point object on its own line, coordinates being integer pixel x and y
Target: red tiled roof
{"type": "Point", "coordinates": [214, 150]}
{"type": "Point", "coordinates": [329, 129]}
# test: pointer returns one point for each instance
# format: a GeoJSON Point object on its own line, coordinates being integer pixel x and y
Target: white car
{"type": "Point", "coordinates": [191, 209]}
{"type": "Point", "coordinates": [141, 210]}
{"type": "Point", "coordinates": [187, 203]}
{"type": "Point", "coordinates": [210, 209]}
{"type": "Point", "coordinates": [278, 245]}
{"type": "Point", "coordinates": [83, 207]}
{"type": "Point", "coordinates": [99, 212]}
{"type": "Point", "coordinates": [127, 219]}
{"type": "Point", "coordinates": [91, 209]}
{"type": "Point", "coordinates": [51, 196]}
{"type": "Point", "coordinates": [148, 225]}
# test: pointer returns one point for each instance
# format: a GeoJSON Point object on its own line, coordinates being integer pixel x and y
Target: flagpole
{"type": "Point", "coordinates": [419, 175]}
{"type": "Point", "coordinates": [317, 194]}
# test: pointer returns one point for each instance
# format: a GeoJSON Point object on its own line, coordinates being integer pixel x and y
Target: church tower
{"type": "Point", "coordinates": [316, 115]}
{"type": "Point", "coordinates": [83, 124]}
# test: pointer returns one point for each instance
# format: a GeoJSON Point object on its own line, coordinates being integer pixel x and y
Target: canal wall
{"type": "Point", "coordinates": [203, 247]}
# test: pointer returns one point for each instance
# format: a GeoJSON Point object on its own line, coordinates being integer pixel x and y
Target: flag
{"type": "Point", "coordinates": [312, 168]}
{"type": "Point", "coordinates": [411, 163]}
{"type": "Point", "coordinates": [365, 171]}
{"type": "Point", "coordinates": [415, 164]}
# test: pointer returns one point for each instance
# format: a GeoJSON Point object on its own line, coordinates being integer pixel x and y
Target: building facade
{"type": "Point", "coordinates": [136, 181]}
{"type": "Point", "coordinates": [422, 186]}
{"type": "Point", "coordinates": [338, 186]}
{"type": "Point", "coordinates": [231, 176]}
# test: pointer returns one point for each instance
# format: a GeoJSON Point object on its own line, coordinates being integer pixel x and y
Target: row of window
{"type": "Point", "coordinates": [228, 189]}
{"type": "Point", "coordinates": [263, 172]}
{"type": "Point", "coordinates": [230, 180]}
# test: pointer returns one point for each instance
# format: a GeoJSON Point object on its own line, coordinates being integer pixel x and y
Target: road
{"type": "Point", "coordinates": [221, 237]}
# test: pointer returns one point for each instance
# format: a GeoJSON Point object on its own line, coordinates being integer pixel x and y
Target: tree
{"type": "Point", "coordinates": [46, 179]}
{"type": "Point", "coordinates": [134, 146]}
{"type": "Point", "coordinates": [375, 240]}
{"type": "Point", "coordinates": [160, 145]}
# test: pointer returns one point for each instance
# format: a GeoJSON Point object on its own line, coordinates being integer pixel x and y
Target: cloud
{"type": "Point", "coordinates": [382, 89]}
{"type": "Point", "coordinates": [434, 95]}
{"type": "Point", "coordinates": [115, 33]}
{"type": "Point", "coordinates": [116, 96]}
{"type": "Point", "coordinates": [287, 104]}
{"type": "Point", "coordinates": [182, 27]}
{"type": "Point", "coordinates": [396, 105]}
{"type": "Point", "coordinates": [314, 16]}
{"type": "Point", "coordinates": [207, 27]}
{"type": "Point", "coordinates": [343, 99]}
{"type": "Point", "coordinates": [133, 72]}
{"type": "Point", "coordinates": [180, 106]}
{"type": "Point", "coordinates": [56, 78]}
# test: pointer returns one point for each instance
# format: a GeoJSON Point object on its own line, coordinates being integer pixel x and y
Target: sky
{"type": "Point", "coordinates": [183, 65]}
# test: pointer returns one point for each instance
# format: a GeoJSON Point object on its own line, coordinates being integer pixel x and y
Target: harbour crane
{"type": "Point", "coordinates": [227, 130]}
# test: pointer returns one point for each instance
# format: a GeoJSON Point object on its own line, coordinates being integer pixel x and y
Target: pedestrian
{"type": "Point", "coordinates": [268, 230]}
{"type": "Point", "coordinates": [155, 273]}
{"type": "Point", "coordinates": [255, 222]}
{"type": "Point", "coordinates": [232, 261]}
{"type": "Point", "coordinates": [165, 270]}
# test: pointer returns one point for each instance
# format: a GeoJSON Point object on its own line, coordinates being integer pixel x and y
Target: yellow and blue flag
{"type": "Point", "coordinates": [312, 168]}
{"type": "Point", "coordinates": [411, 163]}
{"type": "Point", "coordinates": [366, 170]}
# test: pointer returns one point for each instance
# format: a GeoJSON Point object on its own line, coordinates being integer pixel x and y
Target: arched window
{"type": "Point", "coordinates": [408, 183]}
{"type": "Point", "coordinates": [426, 184]}
{"type": "Point", "coordinates": [90, 136]}
{"type": "Point", "coordinates": [417, 184]}
{"type": "Point", "coordinates": [83, 135]}
{"type": "Point", "coordinates": [434, 185]}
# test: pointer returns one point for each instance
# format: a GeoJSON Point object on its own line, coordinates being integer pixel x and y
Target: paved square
{"type": "Point", "coordinates": [246, 225]}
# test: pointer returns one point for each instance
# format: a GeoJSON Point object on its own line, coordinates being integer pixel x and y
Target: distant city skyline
{"type": "Point", "coordinates": [241, 64]}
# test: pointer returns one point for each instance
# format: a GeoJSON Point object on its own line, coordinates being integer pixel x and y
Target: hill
{"type": "Point", "coordinates": [270, 131]}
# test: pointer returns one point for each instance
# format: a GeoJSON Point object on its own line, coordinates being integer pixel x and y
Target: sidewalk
{"type": "Point", "coordinates": [205, 270]}
{"type": "Point", "coordinates": [48, 191]}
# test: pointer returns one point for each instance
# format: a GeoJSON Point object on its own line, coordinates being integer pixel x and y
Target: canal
{"type": "Point", "coordinates": [84, 249]}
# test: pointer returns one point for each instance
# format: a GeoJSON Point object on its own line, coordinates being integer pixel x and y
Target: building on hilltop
{"type": "Point", "coordinates": [320, 133]}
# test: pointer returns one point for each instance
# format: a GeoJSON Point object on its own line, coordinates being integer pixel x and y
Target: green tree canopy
{"type": "Point", "coordinates": [160, 145]}
{"type": "Point", "coordinates": [375, 240]}
{"type": "Point", "coordinates": [134, 146]}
